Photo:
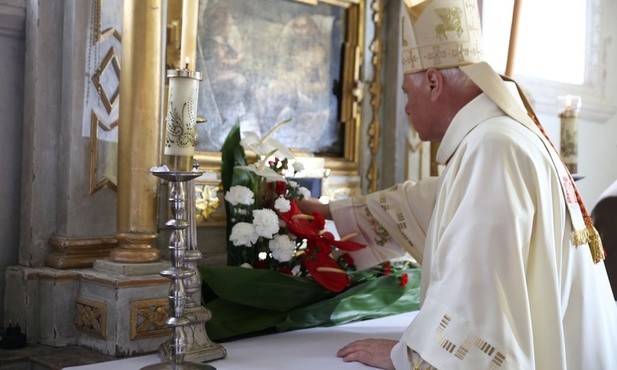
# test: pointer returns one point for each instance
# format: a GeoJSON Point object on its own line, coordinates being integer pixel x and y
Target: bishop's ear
{"type": "Point", "coordinates": [435, 82]}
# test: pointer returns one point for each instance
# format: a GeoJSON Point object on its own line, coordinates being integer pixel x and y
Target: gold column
{"type": "Point", "coordinates": [139, 135]}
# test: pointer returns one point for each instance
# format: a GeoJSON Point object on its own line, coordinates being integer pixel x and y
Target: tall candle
{"type": "Point", "coordinates": [569, 131]}
{"type": "Point", "coordinates": [188, 42]}
{"type": "Point", "coordinates": [180, 133]}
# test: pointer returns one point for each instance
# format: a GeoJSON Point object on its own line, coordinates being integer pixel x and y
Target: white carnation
{"type": "Point", "coordinates": [266, 222]}
{"type": "Point", "coordinates": [243, 233]}
{"type": "Point", "coordinates": [298, 166]}
{"type": "Point", "coordinates": [306, 193]}
{"type": "Point", "coordinates": [239, 194]}
{"type": "Point", "coordinates": [282, 205]}
{"type": "Point", "coordinates": [283, 249]}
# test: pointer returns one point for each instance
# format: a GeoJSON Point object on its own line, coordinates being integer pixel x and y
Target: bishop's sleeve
{"type": "Point", "coordinates": [389, 222]}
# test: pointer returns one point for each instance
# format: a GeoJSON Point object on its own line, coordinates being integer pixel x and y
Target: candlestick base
{"type": "Point", "coordinates": [183, 366]}
{"type": "Point", "coordinates": [199, 347]}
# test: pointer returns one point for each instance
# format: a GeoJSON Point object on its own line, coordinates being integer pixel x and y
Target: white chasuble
{"type": "Point", "coordinates": [502, 285]}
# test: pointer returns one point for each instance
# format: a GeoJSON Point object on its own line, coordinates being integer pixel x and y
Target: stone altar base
{"type": "Point", "coordinates": [116, 309]}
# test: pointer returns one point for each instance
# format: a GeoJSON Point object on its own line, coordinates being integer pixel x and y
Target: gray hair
{"type": "Point", "coordinates": [457, 77]}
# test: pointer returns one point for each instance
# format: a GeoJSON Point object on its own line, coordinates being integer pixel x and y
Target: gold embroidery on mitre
{"type": "Point", "coordinates": [436, 55]}
{"type": "Point", "coordinates": [461, 53]}
{"type": "Point", "coordinates": [410, 59]}
{"type": "Point", "coordinates": [452, 22]}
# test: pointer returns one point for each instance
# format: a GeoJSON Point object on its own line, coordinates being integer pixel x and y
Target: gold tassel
{"type": "Point", "coordinates": [595, 244]}
{"type": "Point", "coordinates": [589, 235]}
{"type": "Point", "coordinates": [579, 237]}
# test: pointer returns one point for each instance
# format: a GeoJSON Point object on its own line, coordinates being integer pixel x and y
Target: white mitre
{"type": "Point", "coordinates": [440, 34]}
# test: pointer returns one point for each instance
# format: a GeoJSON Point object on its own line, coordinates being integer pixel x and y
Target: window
{"type": "Point", "coordinates": [559, 51]}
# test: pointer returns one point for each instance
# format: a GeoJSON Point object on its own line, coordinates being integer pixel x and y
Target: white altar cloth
{"type": "Point", "coordinates": [306, 349]}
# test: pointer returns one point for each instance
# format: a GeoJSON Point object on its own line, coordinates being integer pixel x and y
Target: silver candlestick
{"type": "Point", "coordinates": [178, 272]}
{"type": "Point", "coordinates": [199, 346]}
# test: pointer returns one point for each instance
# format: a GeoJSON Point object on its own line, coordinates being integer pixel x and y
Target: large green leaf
{"type": "Point", "coordinates": [231, 320]}
{"type": "Point", "coordinates": [232, 155]}
{"type": "Point", "coordinates": [262, 288]}
{"type": "Point", "coordinates": [371, 299]}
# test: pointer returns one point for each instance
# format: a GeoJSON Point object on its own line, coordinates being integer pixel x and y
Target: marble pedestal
{"type": "Point", "coordinates": [116, 309]}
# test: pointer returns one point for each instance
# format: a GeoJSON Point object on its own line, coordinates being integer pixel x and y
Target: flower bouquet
{"type": "Point", "coordinates": [285, 270]}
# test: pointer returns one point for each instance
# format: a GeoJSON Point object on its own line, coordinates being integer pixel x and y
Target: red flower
{"type": "Point", "coordinates": [346, 261]}
{"type": "Point", "coordinates": [404, 279]}
{"type": "Point", "coordinates": [387, 269]}
{"type": "Point", "coordinates": [281, 187]}
{"type": "Point", "coordinates": [346, 245]}
{"type": "Point", "coordinates": [324, 270]}
{"type": "Point", "coordinates": [318, 260]}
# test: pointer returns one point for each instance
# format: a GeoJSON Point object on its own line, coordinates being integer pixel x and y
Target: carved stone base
{"type": "Point", "coordinates": [114, 315]}
{"type": "Point", "coordinates": [199, 346]}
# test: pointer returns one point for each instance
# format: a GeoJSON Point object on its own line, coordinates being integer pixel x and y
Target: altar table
{"type": "Point", "coordinates": [306, 349]}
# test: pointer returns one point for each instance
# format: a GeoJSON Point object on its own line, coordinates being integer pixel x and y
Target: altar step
{"type": "Point", "coordinates": [41, 357]}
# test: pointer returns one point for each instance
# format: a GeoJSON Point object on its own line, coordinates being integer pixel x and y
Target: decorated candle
{"type": "Point", "coordinates": [568, 138]}
{"type": "Point", "coordinates": [180, 133]}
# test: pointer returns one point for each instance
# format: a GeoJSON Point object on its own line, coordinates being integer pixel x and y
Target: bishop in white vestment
{"type": "Point", "coordinates": [508, 282]}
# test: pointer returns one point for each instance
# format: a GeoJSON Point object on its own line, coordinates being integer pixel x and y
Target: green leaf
{"type": "Point", "coordinates": [263, 288]}
{"type": "Point", "coordinates": [232, 155]}
{"type": "Point", "coordinates": [230, 320]}
{"type": "Point", "coordinates": [371, 299]}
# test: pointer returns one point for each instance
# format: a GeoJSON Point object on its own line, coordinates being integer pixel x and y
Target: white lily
{"type": "Point", "coordinates": [261, 169]}
{"type": "Point", "coordinates": [266, 146]}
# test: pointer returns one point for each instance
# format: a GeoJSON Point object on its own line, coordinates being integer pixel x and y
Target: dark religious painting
{"type": "Point", "coordinates": [265, 61]}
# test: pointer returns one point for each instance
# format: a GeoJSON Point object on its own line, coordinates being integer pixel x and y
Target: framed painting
{"type": "Point", "coordinates": [265, 61]}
